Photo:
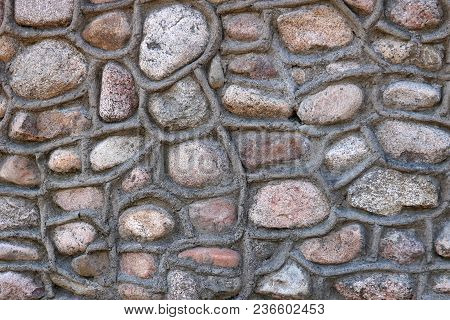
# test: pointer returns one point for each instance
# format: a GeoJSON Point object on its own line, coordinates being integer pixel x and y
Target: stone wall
{"type": "Point", "coordinates": [243, 149]}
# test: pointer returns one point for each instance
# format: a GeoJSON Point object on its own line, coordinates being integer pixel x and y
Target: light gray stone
{"type": "Point", "coordinates": [409, 95]}
{"type": "Point", "coordinates": [113, 151]}
{"type": "Point", "coordinates": [386, 192]}
{"type": "Point", "coordinates": [18, 212]}
{"type": "Point", "coordinates": [174, 36]}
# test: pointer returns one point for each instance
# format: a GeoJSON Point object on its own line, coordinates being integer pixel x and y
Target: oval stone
{"type": "Point", "coordinates": [289, 204]}
{"type": "Point", "coordinates": [145, 223]}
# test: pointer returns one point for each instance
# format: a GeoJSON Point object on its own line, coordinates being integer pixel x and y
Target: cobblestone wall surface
{"type": "Point", "coordinates": [222, 149]}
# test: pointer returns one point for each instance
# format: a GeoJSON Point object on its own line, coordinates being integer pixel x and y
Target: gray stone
{"type": "Point", "coordinates": [182, 106]}
{"type": "Point", "coordinates": [19, 286]}
{"type": "Point", "coordinates": [43, 13]}
{"type": "Point", "coordinates": [386, 192]}
{"type": "Point", "coordinates": [334, 104]}
{"type": "Point", "coordinates": [58, 67]}
{"type": "Point", "coordinates": [402, 246]}
{"type": "Point", "coordinates": [174, 36]}
{"type": "Point", "coordinates": [118, 97]}
{"type": "Point", "coordinates": [182, 285]}
{"type": "Point", "coordinates": [415, 142]}
{"type": "Point", "coordinates": [346, 153]}
{"type": "Point", "coordinates": [73, 237]}
{"type": "Point", "coordinates": [17, 212]}
{"type": "Point", "coordinates": [409, 95]}
{"type": "Point", "coordinates": [114, 151]}
{"type": "Point", "coordinates": [380, 286]}
{"type": "Point", "coordinates": [442, 243]}
{"type": "Point", "coordinates": [290, 282]}
{"type": "Point", "coordinates": [18, 252]}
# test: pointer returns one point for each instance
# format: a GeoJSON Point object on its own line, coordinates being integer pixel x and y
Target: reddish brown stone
{"type": "Point", "coordinates": [21, 171]}
{"type": "Point", "coordinates": [109, 31]}
{"type": "Point", "coordinates": [79, 198]}
{"type": "Point", "coordinates": [415, 14]}
{"type": "Point", "coordinates": [340, 246]}
{"type": "Point", "coordinates": [259, 148]}
{"type": "Point", "coordinates": [213, 215]}
{"type": "Point", "coordinates": [91, 264]}
{"type": "Point", "coordinates": [243, 27]}
{"type": "Point", "coordinates": [142, 265]}
{"type": "Point", "coordinates": [219, 257]}
{"type": "Point", "coordinates": [254, 66]}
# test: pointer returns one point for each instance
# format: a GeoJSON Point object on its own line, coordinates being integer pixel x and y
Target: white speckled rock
{"type": "Point", "coordinates": [73, 237]}
{"type": "Point", "coordinates": [386, 192]}
{"type": "Point", "coordinates": [409, 95]}
{"type": "Point", "coordinates": [346, 153]}
{"type": "Point", "coordinates": [113, 151]}
{"type": "Point", "coordinates": [58, 67]}
{"type": "Point", "coordinates": [43, 13]}
{"type": "Point", "coordinates": [174, 36]}
{"type": "Point", "coordinates": [334, 104]}
{"type": "Point", "coordinates": [290, 282]}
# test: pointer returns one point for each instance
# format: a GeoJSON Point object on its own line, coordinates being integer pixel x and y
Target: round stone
{"type": "Point", "coordinates": [73, 237]}
{"type": "Point", "coordinates": [174, 36]}
{"type": "Point", "coordinates": [57, 68]}
{"type": "Point", "coordinates": [289, 204]}
{"type": "Point", "coordinates": [197, 164]}
{"type": "Point", "coordinates": [145, 223]}
{"type": "Point", "coordinates": [334, 104]}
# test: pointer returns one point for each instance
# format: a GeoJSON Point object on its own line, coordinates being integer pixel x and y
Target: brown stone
{"type": "Point", "coordinates": [243, 27]}
{"type": "Point", "coordinates": [289, 204]}
{"type": "Point", "coordinates": [260, 148]}
{"type": "Point", "coordinates": [20, 170]}
{"type": "Point", "coordinates": [8, 47]}
{"type": "Point", "coordinates": [109, 31]}
{"type": "Point", "coordinates": [254, 66]}
{"type": "Point", "coordinates": [19, 286]}
{"type": "Point", "coordinates": [363, 6]}
{"type": "Point", "coordinates": [378, 286]}
{"type": "Point", "coordinates": [213, 215]}
{"type": "Point", "coordinates": [79, 198]}
{"type": "Point", "coordinates": [339, 246]}
{"type": "Point", "coordinates": [219, 257]}
{"type": "Point", "coordinates": [401, 246]}
{"type": "Point", "coordinates": [73, 237]}
{"type": "Point", "coordinates": [64, 160]}
{"type": "Point", "coordinates": [48, 125]}
{"type": "Point", "coordinates": [315, 27]}
{"type": "Point", "coordinates": [91, 264]}
{"type": "Point", "coordinates": [136, 179]}
{"type": "Point", "coordinates": [18, 252]}
{"type": "Point", "coordinates": [138, 264]}
{"type": "Point", "coordinates": [415, 14]}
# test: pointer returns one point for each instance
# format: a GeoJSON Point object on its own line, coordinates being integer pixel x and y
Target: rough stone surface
{"type": "Point", "coordinates": [289, 204]}
{"type": "Point", "coordinates": [16, 212]}
{"type": "Point", "coordinates": [64, 160]}
{"type": "Point", "coordinates": [114, 151]}
{"type": "Point", "coordinates": [19, 286]}
{"type": "Point", "coordinates": [376, 287]}
{"type": "Point", "coordinates": [145, 223]}
{"type": "Point", "coordinates": [442, 243]}
{"type": "Point", "coordinates": [109, 31]}
{"type": "Point", "coordinates": [219, 257]}
{"type": "Point", "coordinates": [197, 164]}
{"type": "Point", "coordinates": [91, 264]}
{"type": "Point", "coordinates": [410, 95]}
{"type": "Point", "coordinates": [59, 67]}
{"type": "Point", "coordinates": [20, 170]}
{"type": "Point", "coordinates": [142, 265]}
{"type": "Point", "coordinates": [415, 14]}
{"type": "Point", "coordinates": [316, 27]}
{"type": "Point", "coordinates": [182, 106]}
{"type": "Point", "coordinates": [386, 192]}
{"type": "Point", "coordinates": [73, 237]}
{"type": "Point", "coordinates": [258, 148]}
{"type": "Point", "coordinates": [334, 104]}
{"type": "Point", "coordinates": [363, 6]}
{"type": "Point", "coordinates": [243, 27]}
{"type": "Point", "coordinates": [346, 153]}
{"type": "Point", "coordinates": [413, 142]}
{"type": "Point", "coordinates": [290, 282]}
{"type": "Point", "coordinates": [173, 37]}
{"type": "Point", "coordinates": [340, 246]}
{"type": "Point", "coordinates": [136, 179]}
{"type": "Point", "coordinates": [213, 215]}
{"type": "Point", "coordinates": [79, 198]}
{"type": "Point", "coordinates": [18, 252]}
{"type": "Point", "coordinates": [254, 66]}
{"type": "Point", "coordinates": [401, 246]}
{"type": "Point", "coordinates": [254, 103]}
{"type": "Point", "coordinates": [118, 98]}
{"type": "Point", "coordinates": [43, 13]}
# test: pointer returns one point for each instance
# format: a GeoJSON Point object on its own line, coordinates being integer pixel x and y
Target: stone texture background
{"type": "Point", "coordinates": [243, 149]}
